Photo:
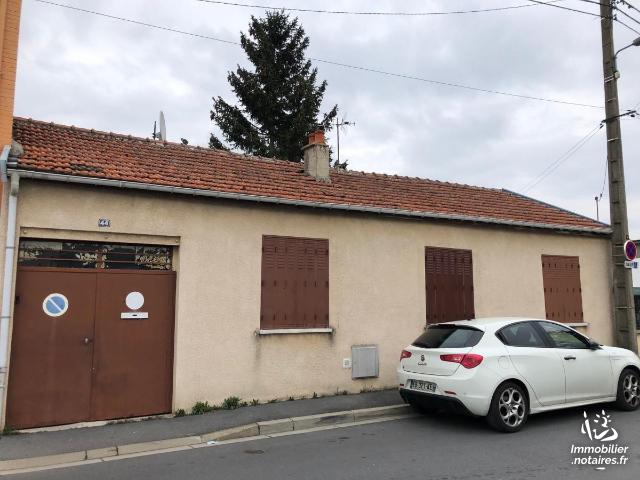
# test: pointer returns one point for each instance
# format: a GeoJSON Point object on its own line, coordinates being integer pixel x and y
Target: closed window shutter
{"type": "Point", "coordinates": [449, 284]}
{"type": "Point", "coordinates": [562, 288]}
{"type": "Point", "coordinates": [295, 282]}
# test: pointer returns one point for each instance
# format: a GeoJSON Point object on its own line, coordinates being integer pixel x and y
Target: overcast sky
{"type": "Point", "coordinates": [89, 71]}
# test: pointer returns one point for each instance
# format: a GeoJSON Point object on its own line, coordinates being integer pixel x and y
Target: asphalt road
{"type": "Point", "coordinates": [443, 447]}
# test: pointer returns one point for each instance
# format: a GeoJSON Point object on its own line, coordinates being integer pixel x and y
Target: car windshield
{"type": "Point", "coordinates": [448, 336]}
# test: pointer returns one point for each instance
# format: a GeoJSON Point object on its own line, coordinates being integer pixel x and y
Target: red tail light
{"type": "Point", "coordinates": [470, 360]}
{"type": "Point", "coordinates": [405, 354]}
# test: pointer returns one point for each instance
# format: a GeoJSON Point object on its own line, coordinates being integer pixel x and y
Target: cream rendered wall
{"type": "Point", "coordinates": [377, 292]}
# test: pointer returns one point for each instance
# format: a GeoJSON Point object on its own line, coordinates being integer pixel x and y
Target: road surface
{"type": "Point", "coordinates": [442, 447]}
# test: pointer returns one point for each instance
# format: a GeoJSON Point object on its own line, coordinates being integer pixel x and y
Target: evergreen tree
{"type": "Point", "coordinates": [279, 101]}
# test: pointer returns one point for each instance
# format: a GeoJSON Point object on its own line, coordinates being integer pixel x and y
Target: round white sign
{"type": "Point", "coordinates": [134, 300]}
{"type": "Point", "coordinates": [55, 305]}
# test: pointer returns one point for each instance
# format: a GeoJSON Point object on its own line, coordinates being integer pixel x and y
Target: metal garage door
{"type": "Point", "coordinates": [449, 284]}
{"type": "Point", "coordinates": [92, 333]}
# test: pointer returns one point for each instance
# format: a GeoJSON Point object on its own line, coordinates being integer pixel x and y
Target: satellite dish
{"type": "Point", "coordinates": [163, 128]}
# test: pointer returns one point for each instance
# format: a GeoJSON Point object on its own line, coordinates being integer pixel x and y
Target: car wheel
{"type": "Point", "coordinates": [628, 397]}
{"type": "Point", "coordinates": [509, 408]}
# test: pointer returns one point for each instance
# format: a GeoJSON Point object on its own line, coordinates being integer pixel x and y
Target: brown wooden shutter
{"type": "Point", "coordinates": [562, 289]}
{"type": "Point", "coordinates": [295, 282]}
{"type": "Point", "coordinates": [449, 284]}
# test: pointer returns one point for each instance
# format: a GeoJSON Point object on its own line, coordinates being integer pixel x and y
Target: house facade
{"type": "Point", "coordinates": [140, 277]}
{"type": "Point", "coordinates": [149, 275]}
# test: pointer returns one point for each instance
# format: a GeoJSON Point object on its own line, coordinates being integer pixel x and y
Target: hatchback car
{"type": "Point", "coordinates": [508, 368]}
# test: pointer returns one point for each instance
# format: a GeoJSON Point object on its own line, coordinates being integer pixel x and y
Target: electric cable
{"type": "Point", "coordinates": [329, 62]}
{"type": "Point", "coordinates": [371, 13]}
{"type": "Point", "coordinates": [562, 158]}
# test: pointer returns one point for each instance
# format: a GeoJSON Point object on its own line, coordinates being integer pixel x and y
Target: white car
{"type": "Point", "coordinates": [507, 368]}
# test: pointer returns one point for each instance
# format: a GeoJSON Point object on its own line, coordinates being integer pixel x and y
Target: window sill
{"type": "Point", "coordinates": [294, 331]}
{"type": "Point", "coordinates": [576, 325]}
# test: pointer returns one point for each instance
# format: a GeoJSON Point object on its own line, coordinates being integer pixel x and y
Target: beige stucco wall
{"type": "Point", "coordinates": [376, 282]}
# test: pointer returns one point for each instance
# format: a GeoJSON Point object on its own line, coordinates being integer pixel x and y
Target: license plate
{"type": "Point", "coordinates": [423, 386]}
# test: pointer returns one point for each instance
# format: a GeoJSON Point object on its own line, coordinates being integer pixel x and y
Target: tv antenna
{"type": "Point", "coordinates": [162, 134]}
{"type": "Point", "coordinates": [340, 124]}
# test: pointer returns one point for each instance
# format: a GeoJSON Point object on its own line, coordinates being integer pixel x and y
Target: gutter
{"type": "Point", "coordinates": [56, 177]}
{"type": "Point", "coordinates": [7, 279]}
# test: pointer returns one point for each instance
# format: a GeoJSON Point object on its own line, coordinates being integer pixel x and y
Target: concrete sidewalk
{"type": "Point", "coordinates": [27, 445]}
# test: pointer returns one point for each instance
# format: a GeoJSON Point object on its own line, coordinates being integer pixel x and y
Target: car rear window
{"type": "Point", "coordinates": [449, 336]}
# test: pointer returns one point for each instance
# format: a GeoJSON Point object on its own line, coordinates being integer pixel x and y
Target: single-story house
{"type": "Point", "coordinates": [151, 275]}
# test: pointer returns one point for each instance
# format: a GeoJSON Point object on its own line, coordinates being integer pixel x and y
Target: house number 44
{"type": "Point", "coordinates": [104, 222]}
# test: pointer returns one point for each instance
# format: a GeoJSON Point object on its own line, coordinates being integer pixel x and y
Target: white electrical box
{"type": "Point", "coordinates": [364, 360]}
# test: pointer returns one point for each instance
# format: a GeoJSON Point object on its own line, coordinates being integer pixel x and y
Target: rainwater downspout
{"type": "Point", "coordinates": [7, 279]}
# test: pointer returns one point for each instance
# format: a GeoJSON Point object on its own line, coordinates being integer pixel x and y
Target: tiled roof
{"type": "Point", "coordinates": [79, 152]}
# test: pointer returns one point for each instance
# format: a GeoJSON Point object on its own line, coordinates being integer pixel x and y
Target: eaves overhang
{"type": "Point", "coordinates": [77, 179]}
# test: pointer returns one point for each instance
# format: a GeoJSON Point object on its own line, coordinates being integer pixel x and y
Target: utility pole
{"type": "Point", "coordinates": [623, 315]}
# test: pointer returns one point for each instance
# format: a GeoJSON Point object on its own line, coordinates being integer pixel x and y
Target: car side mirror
{"type": "Point", "coordinates": [593, 345]}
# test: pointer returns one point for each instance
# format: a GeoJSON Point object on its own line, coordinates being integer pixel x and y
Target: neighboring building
{"type": "Point", "coordinates": [9, 27]}
{"type": "Point", "coordinates": [152, 275]}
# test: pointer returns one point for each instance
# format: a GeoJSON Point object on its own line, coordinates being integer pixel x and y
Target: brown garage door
{"type": "Point", "coordinates": [449, 284]}
{"type": "Point", "coordinates": [90, 342]}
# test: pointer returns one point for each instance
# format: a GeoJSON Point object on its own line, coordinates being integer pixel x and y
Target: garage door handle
{"type": "Point", "coordinates": [570, 358]}
{"type": "Point", "coordinates": [87, 340]}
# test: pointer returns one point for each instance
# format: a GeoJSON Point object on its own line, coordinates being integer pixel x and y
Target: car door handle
{"type": "Point", "coordinates": [569, 357]}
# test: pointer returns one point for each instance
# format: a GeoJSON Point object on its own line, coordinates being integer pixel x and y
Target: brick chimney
{"type": "Point", "coordinates": [9, 25]}
{"type": "Point", "coordinates": [316, 157]}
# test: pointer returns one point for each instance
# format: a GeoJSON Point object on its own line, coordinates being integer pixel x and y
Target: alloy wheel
{"type": "Point", "coordinates": [512, 406]}
{"type": "Point", "coordinates": [631, 390]}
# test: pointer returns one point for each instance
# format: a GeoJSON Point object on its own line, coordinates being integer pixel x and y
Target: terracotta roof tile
{"type": "Point", "coordinates": [54, 148]}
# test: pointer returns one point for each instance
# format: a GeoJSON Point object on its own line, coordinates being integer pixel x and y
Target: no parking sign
{"type": "Point", "coordinates": [630, 253]}
{"type": "Point", "coordinates": [55, 305]}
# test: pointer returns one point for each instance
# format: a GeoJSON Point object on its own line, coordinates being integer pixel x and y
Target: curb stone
{"type": "Point", "coordinates": [44, 461]}
{"type": "Point", "coordinates": [243, 431]}
{"type": "Point", "coordinates": [158, 445]}
{"type": "Point", "coordinates": [251, 430]}
{"type": "Point", "coordinates": [369, 413]}
{"type": "Point", "coordinates": [275, 426]}
{"type": "Point", "coordinates": [312, 421]}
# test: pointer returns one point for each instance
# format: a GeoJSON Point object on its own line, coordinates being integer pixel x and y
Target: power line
{"type": "Point", "coordinates": [562, 158]}
{"type": "Point", "coordinates": [449, 84]}
{"type": "Point", "coordinates": [615, 7]}
{"type": "Point", "coordinates": [566, 8]}
{"type": "Point", "coordinates": [136, 22]}
{"type": "Point", "coordinates": [372, 13]}
{"type": "Point", "coordinates": [589, 13]}
{"type": "Point", "coordinates": [604, 181]}
{"type": "Point", "coordinates": [331, 62]}
{"type": "Point", "coordinates": [409, 14]}
{"type": "Point", "coordinates": [629, 5]}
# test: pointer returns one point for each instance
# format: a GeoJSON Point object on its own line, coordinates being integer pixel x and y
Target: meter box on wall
{"type": "Point", "coordinates": [364, 361]}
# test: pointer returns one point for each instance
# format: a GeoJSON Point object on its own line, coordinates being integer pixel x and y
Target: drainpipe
{"type": "Point", "coordinates": [7, 281]}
